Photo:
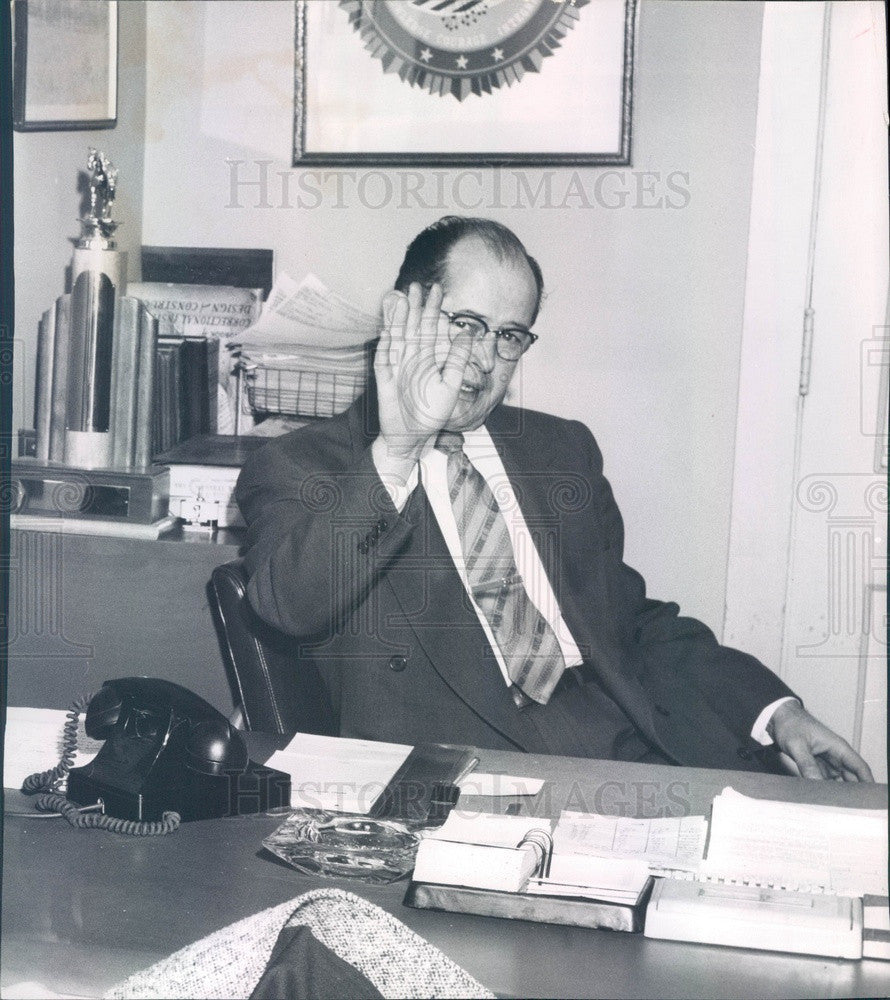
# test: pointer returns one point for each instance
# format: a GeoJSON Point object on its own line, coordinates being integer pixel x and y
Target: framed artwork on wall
{"type": "Point", "coordinates": [453, 82]}
{"type": "Point", "coordinates": [64, 64]}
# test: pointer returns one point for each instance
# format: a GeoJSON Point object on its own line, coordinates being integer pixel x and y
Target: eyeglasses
{"type": "Point", "coordinates": [510, 342]}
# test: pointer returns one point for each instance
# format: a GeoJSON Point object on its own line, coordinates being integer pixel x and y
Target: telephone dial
{"type": "Point", "coordinates": [166, 751]}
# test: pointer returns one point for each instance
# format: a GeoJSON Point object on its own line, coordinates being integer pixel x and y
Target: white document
{"type": "Point", "coordinates": [486, 828]}
{"type": "Point", "coordinates": [674, 842]}
{"type": "Point", "coordinates": [617, 874]}
{"type": "Point", "coordinates": [343, 775]}
{"type": "Point", "coordinates": [547, 887]}
{"type": "Point", "coordinates": [812, 848]}
{"type": "Point", "coordinates": [33, 742]}
{"type": "Point", "coordinates": [308, 314]}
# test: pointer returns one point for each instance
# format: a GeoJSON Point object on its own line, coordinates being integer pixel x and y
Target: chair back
{"type": "Point", "coordinates": [276, 692]}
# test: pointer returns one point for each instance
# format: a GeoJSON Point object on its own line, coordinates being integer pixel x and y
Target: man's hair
{"type": "Point", "coordinates": [426, 258]}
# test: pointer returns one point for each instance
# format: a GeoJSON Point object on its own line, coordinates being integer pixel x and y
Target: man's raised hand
{"type": "Point", "coordinates": [417, 384]}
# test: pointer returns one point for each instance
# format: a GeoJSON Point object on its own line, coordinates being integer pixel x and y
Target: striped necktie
{"type": "Point", "coordinates": [527, 642]}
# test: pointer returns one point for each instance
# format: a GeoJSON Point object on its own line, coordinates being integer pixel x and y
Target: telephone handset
{"type": "Point", "coordinates": [167, 751]}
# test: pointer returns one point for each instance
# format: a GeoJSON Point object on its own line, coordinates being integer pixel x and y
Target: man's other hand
{"type": "Point", "coordinates": [814, 748]}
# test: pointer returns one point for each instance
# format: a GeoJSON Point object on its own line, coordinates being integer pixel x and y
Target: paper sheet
{"type": "Point", "coordinates": [487, 828]}
{"type": "Point", "coordinates": [33, 742]}
{"type": "Point", "coordinates": [676, 842]}
{"type": "Point", "coordinates": [838, 850]}
{"type": "Point", "coordinates": [308, 314]}
{"type": "Point", "coordinates": [342, 775]}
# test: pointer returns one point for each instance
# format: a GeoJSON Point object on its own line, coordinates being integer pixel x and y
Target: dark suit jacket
{"type": "Point", "coordinates": [376, 601]}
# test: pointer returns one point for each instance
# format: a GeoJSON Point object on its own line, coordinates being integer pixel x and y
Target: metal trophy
{"type": "Point", "coordinates": [95, 382]}
{"type": "Point", "coordinates": [97, 282]}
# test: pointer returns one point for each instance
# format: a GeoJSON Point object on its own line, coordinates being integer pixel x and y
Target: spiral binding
{"type": "Point", "coordinates": [52, 800]}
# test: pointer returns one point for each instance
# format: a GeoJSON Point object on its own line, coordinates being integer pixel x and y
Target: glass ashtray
{"type": "Point", "coordinates": [344, 845]}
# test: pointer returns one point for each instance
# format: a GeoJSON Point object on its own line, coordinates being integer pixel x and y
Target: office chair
{"type": "Point", "coordinates": [274, 691]}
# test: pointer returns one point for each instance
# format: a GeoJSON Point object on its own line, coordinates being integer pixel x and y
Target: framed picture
{"type": "Point", "coordinates": [452, 82]}
{"type": "Point", "coordinates": [64, 64]}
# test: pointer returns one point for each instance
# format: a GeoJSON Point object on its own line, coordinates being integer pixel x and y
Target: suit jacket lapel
{"type": "Point", "coordinates": [447, 627]}
{"type": "Point", "coordinates": [432, 602]}
{"type": "Point", "coordinates": [545, 484]}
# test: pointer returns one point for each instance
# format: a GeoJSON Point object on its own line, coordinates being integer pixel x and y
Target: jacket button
{"type": "Point", "coordinates": [398, 663]}
{"type": "Point", "coordinates": [743, 753]}
{"type": "Point", "coordinates": [381, 525]}
{"type": "Point", "coordinates": [363, 546]}
{"type": "Point", "coordinates": [662, 710]}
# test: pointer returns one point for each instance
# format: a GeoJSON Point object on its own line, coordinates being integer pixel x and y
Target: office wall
{"type": "Point", "coordinates": [48, 201]}
{"type": "Point", "coordinates": [641, 329]}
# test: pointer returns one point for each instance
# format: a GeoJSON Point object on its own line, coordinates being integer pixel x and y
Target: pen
{"type": "Point", "coordinates": [471, 766]}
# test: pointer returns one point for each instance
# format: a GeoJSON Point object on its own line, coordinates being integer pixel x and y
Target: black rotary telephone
{"type": "Point", "coordinates": [166, 752]}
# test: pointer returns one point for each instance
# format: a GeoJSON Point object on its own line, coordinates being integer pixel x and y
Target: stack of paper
{"type": "Point", "coordinates": [796, 846]}
{"type": "Point", "coordinates": [33, 742]}
{"type": "Point", "coordinates": [306, 354]}
{"type": "Point", "coordinates": [339, 774]}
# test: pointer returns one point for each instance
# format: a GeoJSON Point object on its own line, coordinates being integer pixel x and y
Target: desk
{"type": "Point", "coordinates": [83, 909]}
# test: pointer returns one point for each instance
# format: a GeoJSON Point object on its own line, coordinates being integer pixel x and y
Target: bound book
{"type": "Point", "coordinates": [186, 389]}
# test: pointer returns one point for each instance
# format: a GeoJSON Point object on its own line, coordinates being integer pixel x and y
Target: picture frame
{"type": "Point", "coordinates": [531, 82]}
{"type": "Point", "coordinates": [64, 64]}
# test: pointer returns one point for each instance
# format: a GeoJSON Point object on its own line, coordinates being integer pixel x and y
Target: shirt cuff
{"type": "Point", "coordinates": [398, 490]}
{"type": "Point", "coordinates": [758, 730]}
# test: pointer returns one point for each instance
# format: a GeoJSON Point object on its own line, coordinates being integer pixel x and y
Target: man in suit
{"type": "Point", "coordinates": [454, 567]}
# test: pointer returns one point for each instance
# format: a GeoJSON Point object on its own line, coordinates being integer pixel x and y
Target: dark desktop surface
{"type": "Point", "coordinates": [84, 909]}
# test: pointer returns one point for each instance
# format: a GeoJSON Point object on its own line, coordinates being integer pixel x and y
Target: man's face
{"type": "Point", "coordinates": [503, 293]}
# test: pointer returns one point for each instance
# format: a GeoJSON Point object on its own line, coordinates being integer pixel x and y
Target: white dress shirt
{"type": "Point", "coordinates": [431, 472]}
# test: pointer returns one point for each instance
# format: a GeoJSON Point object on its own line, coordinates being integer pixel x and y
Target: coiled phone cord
{"type": "Point", "coordinates": [56, 802]}
{"type": "Point", "coordinates": [49, 781]}
{"type": "Point", "coordinates": [52, 800]}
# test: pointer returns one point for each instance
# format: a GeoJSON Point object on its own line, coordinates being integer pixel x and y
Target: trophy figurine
{"type": "Point", "coordinates": [98, 281]}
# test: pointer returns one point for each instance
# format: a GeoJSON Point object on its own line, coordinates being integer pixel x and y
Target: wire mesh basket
{"type": "Point", "coordinates": [299, 392]}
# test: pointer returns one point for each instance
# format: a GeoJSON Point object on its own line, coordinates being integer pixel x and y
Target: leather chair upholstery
{"type": "Point", "coordinates": [275, 692]}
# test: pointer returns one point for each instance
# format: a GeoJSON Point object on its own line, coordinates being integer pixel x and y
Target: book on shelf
{"type": "Point", "coordinates": [167, 416]}
{"type": "Point", "coordinates": [186, 389]}
{"type": "Point", "coordinates": [213, 313]}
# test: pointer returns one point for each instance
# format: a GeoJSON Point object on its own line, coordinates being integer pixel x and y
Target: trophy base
{"type": "Point", "coordinates": [51, 489]}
